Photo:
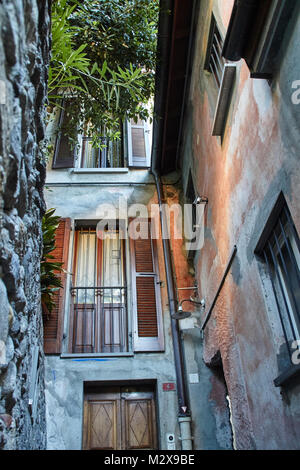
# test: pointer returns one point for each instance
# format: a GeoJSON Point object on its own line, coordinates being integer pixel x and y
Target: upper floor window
{"type": "Point", "coordinates": [214, 61]}
{"type": "Point", "coordinates": [99, 308]}
{"type": "Point", "coordinates": [223, 75]}
{"type": "Point", "coordinates": [132, 149]}
{"type": "Point", "coordinates": [114, 304]}
{"type": "Point", "coordinates": [259, 31]}
{"type": "Point", "coordinates": [279, 248]}
{"type": "Point", "coordinates": [107, 153]}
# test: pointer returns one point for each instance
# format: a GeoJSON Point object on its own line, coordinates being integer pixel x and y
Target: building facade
{"type": "Point", "coordinates": [131, 361]}
{"type": "Point", "coordinates": [238, 154]}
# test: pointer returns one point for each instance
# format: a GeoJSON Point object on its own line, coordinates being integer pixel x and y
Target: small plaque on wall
{"type": "Point", "coordinates": [169, 386]}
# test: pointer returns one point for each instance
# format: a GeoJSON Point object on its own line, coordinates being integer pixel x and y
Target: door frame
{"type": "Point", "coordinates": [98, 387]}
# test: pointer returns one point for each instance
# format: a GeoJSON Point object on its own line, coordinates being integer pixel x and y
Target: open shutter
{"type": "Point", "coordinates": [64, 151]}
{"type": "Point", "coordinates": [148, 330]}
{"type": "Point", "coordinates": [138, 144]}
{"type": "Point", "coordinates": [53, 326]}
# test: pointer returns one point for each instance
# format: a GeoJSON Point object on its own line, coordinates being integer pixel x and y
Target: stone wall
{"type": "Point", "coordinates": [24, 55]}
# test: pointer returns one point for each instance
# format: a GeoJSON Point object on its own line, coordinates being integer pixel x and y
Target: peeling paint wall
{"type": "Point", "coordinates": [242, 176]}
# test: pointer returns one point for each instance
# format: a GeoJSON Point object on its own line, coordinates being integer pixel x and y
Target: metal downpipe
{"type": "Point", "coordinates": [184, 418]}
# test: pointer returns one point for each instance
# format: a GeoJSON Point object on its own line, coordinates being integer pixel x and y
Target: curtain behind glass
{"type": "Point", "coordinates": [112, 269]}
{"type": "Point", "coordinates": [86, 272]}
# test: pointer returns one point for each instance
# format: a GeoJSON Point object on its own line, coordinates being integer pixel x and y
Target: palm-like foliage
{"type": "Point", "coordinates": [50, 269]}
{"type": "Point", "coordinates": [71, 69]}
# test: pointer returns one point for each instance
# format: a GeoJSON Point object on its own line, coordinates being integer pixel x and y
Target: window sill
{"type": "Point", "coordinates": [289, 374]}
{"type": "Point", "coordinates": [100, 170]}
{"type": "Point", "coordinates": [95, 355]}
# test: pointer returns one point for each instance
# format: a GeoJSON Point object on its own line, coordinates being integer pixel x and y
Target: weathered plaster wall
{"type": "Point", "coordinates": [24, 48]}
{"type": "Point", "coordinates": [242, 176]}
{"type": "Point", "coordinates": [205, 387]}
{"type": "Point", "coordinates": [65, 377]}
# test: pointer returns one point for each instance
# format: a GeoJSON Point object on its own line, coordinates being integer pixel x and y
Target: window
{"type": "Point", "coordinates": [258, 32]}
{"type": "Point", "coordinates": [223, 76]}
{"type": "Point", "coordinates": [279, 248]}
{"type": "Point", "coordinates": [107, 153]}
{"type": "Point", "coordinates": [132, 149]}
{"type": "Point", "coordinates": [99, 300]}
{"type": "Point", "coordinates": [214, 62]}
{"type": "Point", "coordinates": [99, 308]}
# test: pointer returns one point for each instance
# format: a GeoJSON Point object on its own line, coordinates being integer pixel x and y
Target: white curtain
{"type": "Point", "coordinates": [112, 269]}
{"type": "Point", "coordinates": [86, 273]}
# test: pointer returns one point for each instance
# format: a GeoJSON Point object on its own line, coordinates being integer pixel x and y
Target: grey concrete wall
{"type": "Point", "coordinates": [24, 48]}
{"type": "Point", "coordinates": [65, 386]}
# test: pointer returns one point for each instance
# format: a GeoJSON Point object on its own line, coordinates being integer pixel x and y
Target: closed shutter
{"type": "Point", "coordinates": [148, 332]}
{"type": "Point", "coordinates": [64, 150]}
{"type": "Point", "coordinates": [53, 326]}
{"type": "Point", "coordinates": [138, 144]}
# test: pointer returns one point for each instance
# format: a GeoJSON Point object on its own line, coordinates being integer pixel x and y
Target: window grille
{"type": "Point", "coordinates": [214, 60]}
{"type": "Point", "coordinates": [107, 153]}
{"type": "Point", "coordinates": [280, 251]}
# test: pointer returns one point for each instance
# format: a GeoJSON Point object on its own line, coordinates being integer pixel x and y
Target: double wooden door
{"type": "Point", "coordinates": [120, 418]}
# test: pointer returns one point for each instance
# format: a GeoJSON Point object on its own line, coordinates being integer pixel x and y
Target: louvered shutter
{"type": "Point", "coordinates": [148, 330]}
{"type": "Point", "coordinates": [54, 324]}
{"type": "Point", "coordinates": [138, 144]}
{"type": "Point", "coordinates": [64, 152]}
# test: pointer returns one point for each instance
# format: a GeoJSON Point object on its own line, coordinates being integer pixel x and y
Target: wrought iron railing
{"type": "Point", "coordinates": [108, 155]}
{"type": "Point", "coordinates": [99, 320]}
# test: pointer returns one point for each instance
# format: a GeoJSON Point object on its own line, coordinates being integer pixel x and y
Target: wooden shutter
{"type": "Point", "coordinates": [64, 152]}
{"type": "Point", "coordinates": [53, 326]}
{"type": "Point", "coordinates": [138, 144]}
{"type": "Point", "coordinates": [148, 331]}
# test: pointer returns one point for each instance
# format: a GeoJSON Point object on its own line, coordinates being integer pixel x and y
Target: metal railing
{"type": "Point", "coordinates": [108, 155]}
{"type": "Point", "coordinates": [99, 319]}
{"type": "Point", "coordinates": [216, 61]}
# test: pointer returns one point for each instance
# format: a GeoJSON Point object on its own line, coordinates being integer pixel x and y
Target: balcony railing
{"type": "Point", "coordinates": [99, 320]}
{"type": "Point", "coordinates": [108, 155]}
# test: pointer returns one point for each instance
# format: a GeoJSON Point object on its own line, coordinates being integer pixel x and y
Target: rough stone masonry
{"type": "Point", "coordinates": [24, 56]}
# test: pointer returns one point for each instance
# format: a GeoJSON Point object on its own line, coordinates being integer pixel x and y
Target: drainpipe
{"type": "Point", "coordinates": [184, 416]}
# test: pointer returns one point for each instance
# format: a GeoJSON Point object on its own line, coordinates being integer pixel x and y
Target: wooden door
{"type": "Point", "coordinates": [120, 418]}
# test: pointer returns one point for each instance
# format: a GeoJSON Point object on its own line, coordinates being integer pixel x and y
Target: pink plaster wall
{"type": "Point", "coordinates": [235, 176]}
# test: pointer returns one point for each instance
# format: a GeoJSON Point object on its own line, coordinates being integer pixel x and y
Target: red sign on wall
{"type": "Point", "coordinates": [168, 386]}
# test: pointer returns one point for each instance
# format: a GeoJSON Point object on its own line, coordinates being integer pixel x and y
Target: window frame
{"type": "Point", "coordinates": [102, 153]}
{"type": "Point", "coordinates": [223, 74]}
{"type": "Point", "coordinates": [86, 224]}
{"type": "Point", "coordinates": [288, 309]}
{"type": "Point", "coordinates": [213, 32]}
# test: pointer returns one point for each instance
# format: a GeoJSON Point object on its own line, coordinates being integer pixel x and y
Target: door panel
{"type": "Point", "coordinates": [139, 427]}
{"type": "Point", "coordinates": [120, 419]}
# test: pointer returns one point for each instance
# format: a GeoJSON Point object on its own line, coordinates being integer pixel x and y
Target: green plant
{"type": "Point", "coordinates": [103, 56]}
{"type": "Point", "coordinates": [50, 280]}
